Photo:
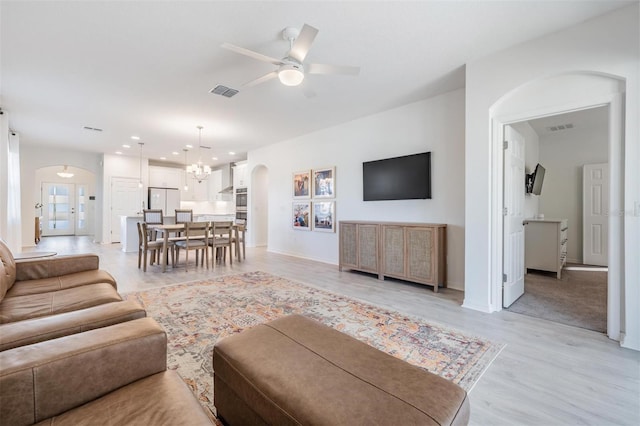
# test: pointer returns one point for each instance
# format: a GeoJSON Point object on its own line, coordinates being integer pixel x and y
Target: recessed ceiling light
{"type": "Point", "coordinates": [119, 152]}
{"type": "Point", "coordinates": [232, 153]}
{"type": "Point", "coordinates": [214, 158]}
{"type": "Point", "coordinates": [189, 146]}
{"type": "Point", "coordinates": [175, 153]}
{"type": "Point", "coordinates": [126, 146]}
{"type": "Point", "coordinates": [163, 158]}
{"type": "Point", "coordinates": [135, 138]}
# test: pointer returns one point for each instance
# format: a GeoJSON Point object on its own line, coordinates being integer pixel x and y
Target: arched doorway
{"type": "Point", "coordinates": [551, 96]}
{"type": "Point", "coordinates": [63, 201]}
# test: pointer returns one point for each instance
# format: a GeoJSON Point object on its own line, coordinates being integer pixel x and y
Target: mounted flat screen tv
{"type": "Point", "coordinates": [398, 178]}
{"type": "Point", "coordinates": [534, 180]}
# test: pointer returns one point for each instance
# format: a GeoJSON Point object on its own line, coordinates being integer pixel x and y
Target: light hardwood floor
{"type": "Point", "coordinates": [548, 374]}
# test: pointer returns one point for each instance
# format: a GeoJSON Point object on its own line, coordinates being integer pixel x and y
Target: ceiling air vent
{"type": "Point", "coordinates": [223, 91]}
{"type": "Point", "coordinates": [560, 127]}
{"type": "Point", "coordinates": [95, 129]}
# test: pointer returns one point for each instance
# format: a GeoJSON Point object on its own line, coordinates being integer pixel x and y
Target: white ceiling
{"type": "Point", "coordinates": [145, 68]}
{"type": "Point", "coordinates": [582, 120]}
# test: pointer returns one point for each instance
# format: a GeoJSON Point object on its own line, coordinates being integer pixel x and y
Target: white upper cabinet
{"type": "Point", "coordinates": [165, 177]}
{"type": "Point", "coordinates": [240, 175]}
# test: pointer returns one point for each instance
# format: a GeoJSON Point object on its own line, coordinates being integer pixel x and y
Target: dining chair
{"type": "Point", "coordinates": [153, 217]}
{"type": "Point", "coordinates": [221, 239]}
{"type": "Point", "coordinates": [183, 216]}
{"type": "Point", "coordinates": [145, 245]}
{"type": "Point", "coordinates": [196, 237]}
{"type": "Point", "coordinates": [237, 240]}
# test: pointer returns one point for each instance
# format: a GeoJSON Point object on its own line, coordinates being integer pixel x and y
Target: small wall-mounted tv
{"type": "Point", "coordinates": [533, 181]}
{"type": "Point", "coordinates": [399, 178]}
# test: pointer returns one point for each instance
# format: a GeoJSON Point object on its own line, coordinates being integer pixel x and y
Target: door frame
{"type": "Point", "coordinates": [616, 201]}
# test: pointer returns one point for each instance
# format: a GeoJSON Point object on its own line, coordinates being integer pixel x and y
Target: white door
{"type": "Point", "coordinates": [58, 209]}
{"type": "Point", "coordinates": [513, 256]}
{"type": "Point", "coordinates": [595, 220]}
{"type": "Point", "coordinates": [126, 200]}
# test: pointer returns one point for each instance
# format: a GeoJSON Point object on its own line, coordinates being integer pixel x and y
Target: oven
{"type": "Point", "coordinates": [241, 203]}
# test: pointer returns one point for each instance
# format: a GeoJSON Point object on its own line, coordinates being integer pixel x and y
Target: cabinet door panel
{"type": "Point", "coordinates": [394, 251]}
{"type": "Point", "coordinates": [420, 254]}
{"type": "Point", "coordinates": [368, 247]}
{"type": "Point", "coordinates": [348, 245]}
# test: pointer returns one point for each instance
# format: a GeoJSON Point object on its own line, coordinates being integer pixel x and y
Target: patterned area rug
{"type": "Point", "coordinates": [197, 314]}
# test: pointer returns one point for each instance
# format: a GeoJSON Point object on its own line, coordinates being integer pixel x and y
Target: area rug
{"type": "Point", "coordinates": [197, 314]}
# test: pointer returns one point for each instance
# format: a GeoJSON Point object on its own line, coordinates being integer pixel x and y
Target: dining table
{"type": "Point", "coordinates": [166, 229]}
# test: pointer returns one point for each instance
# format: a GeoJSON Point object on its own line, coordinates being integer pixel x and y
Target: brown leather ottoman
{"type": "Point", "coordinates": [295, 371]}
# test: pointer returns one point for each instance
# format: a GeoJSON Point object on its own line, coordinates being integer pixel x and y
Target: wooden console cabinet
{"type": "Point", "coordinates": [413, 252]}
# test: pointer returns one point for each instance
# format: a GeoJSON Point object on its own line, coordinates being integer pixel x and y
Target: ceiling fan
{"type": "Point", "coordinates": [291, 68]}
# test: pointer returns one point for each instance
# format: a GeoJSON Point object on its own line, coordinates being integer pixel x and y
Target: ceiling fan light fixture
{"type": "Point", "coordinates": [291, 74]}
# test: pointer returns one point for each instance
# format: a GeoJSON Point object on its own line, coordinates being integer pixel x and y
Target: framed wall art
{"type": "Point", "coordinates": [324, 183]}
{"type": "Point", "coordinates": [324, 216]}
{"type": "Point", "coordinates": [302, 184]}
{"type": "Point", "coordinates": [301, 216]}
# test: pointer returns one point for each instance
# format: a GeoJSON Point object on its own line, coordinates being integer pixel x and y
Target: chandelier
{"type": "Point", "coordinates": [65, 173]}
{"type": "Point", "coordinates": [199, 171]}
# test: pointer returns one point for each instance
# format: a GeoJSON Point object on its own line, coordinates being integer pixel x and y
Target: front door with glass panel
{"type": "Point", "coordinates": [59, 209]}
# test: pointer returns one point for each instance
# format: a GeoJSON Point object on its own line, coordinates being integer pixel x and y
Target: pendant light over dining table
{"type": "Point", "coordinates": [199, 171]}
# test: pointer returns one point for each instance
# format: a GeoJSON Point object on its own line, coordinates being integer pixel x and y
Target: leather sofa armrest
{"type": "Point", "coordinates": [48, 378]}
{"type": "Point", "coordinates": [33, 269]}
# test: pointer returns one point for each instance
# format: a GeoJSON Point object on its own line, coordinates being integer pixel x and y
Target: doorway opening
{"type": "Point", "coordinates": [564, 229]}
{"type": "Point", "coordinates": [64, 205]}
{"type": "Point", "coordinates": [551, 96]}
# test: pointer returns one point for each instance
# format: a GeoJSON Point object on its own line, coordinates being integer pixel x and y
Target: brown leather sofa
{"type": "Point", "coordinates": [111, 375]}
{"type": "Point", "coordinates": [43, 299]}
{"type": "Point", "coordinates": [33, 288]}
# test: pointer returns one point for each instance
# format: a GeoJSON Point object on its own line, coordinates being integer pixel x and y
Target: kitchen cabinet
{"type": "Point", "coordinates": [240, 175]}
{"type": "Point", "coordinates": [165, 177]}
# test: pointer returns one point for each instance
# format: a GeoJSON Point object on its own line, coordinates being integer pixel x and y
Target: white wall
{"type": "Point", "coordinates": [563, 154]}
{"type": "Point", "coordinates": [608, 45]}
{"type": "Point", "coordinates": [119, 166]}
{"type": "Point", "coordinates": [435, 124]}
{"type": "Point", "coordinates": [4, 179]}
{"type": "Point", "coordinates": [32, 158]}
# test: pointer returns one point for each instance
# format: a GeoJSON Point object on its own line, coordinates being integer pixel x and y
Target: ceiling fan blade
{"type": "Point", "coordinates": [332, 69]}
{"type": "Point", "coordinates": [251, 54]}
{"type": "Point", "coordinates": [262, 79]}
{"type": "Point", "coordinates": [303, 43]}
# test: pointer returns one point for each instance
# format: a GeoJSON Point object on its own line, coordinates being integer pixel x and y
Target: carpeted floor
{"type": "Point", "coordinates": [578, 299]}
{"type": "Point", "coordinates": [197, 314]}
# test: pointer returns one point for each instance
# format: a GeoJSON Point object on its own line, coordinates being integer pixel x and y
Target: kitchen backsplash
{"type": "Point", "coordinates": [209, 207]}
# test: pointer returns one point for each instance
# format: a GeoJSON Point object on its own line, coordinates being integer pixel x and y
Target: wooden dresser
{"type": "Point", "coordinates": [413, 252]}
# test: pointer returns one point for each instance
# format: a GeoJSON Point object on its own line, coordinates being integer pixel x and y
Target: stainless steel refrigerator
{"type": "Point", "coordinates": [167, 199]}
